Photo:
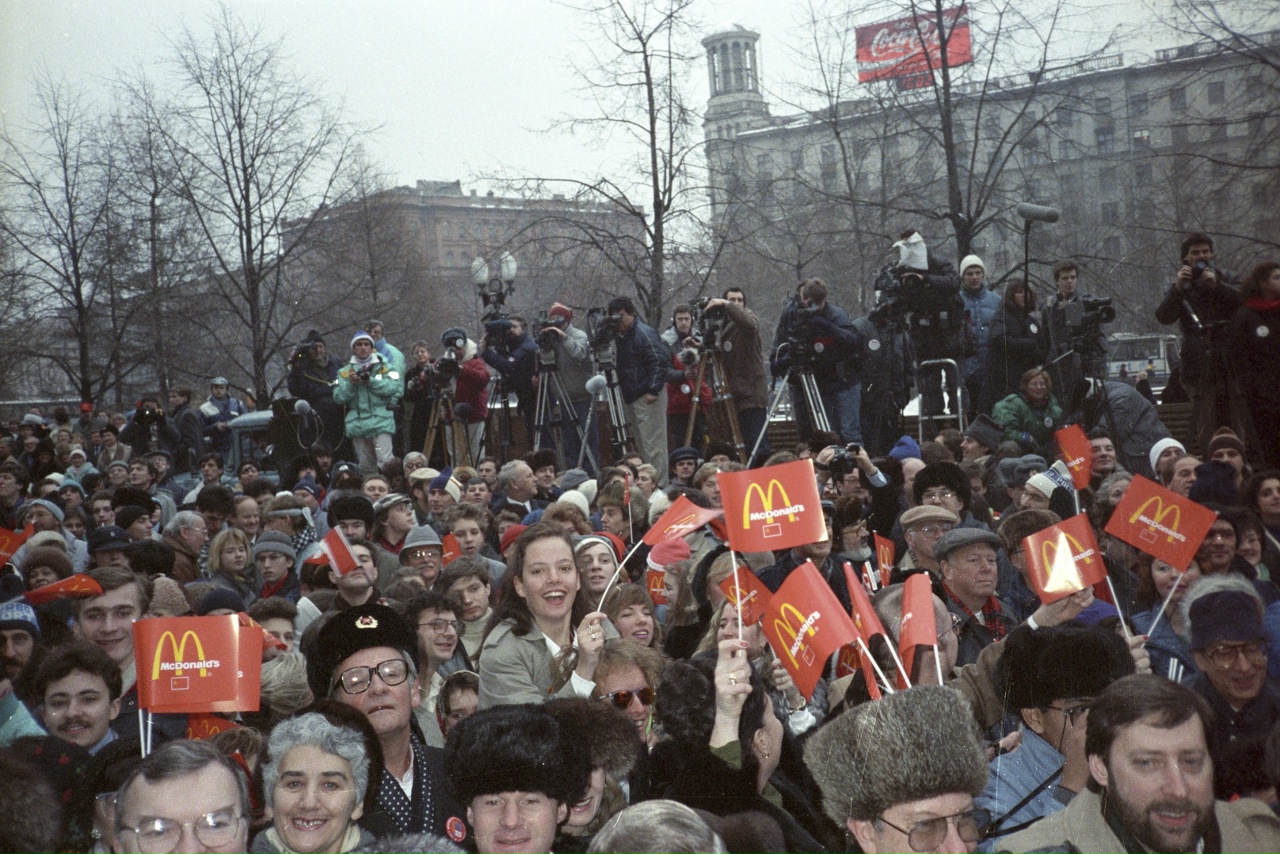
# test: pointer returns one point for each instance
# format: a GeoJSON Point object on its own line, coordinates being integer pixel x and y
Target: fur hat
{"type": "Point", "coordinates": [908, 746]}
{"type": "Point", "coordinates": [48, 556]}
{"type": "Point", "coordinates": [1058, 663]}
{"type": "Point", "coordinates": [520, 748]}
{"type": "Point", "coordinates": [945, 474]}
{"type": "Point", "coordinates": [128, 514]}
{"type": "Point", "coordinates": [350, 506]}
{"type": "Point", "coordinates": [348, 632]}
{"type": "Point", "coordinates": [610, 737]}
{"type": "Point", "coordinates": [132, 496]}
{"type": "Point", "coordinates": [540, 458]}
{"type": "Point", "coordinates": [168, 600]}
{"type": "Point", "coordinates": [1225, 615]}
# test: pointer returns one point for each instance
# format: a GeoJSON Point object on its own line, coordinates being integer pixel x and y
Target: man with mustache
{"type": "Point", "coordinates": [80, 687]}
{"type": "Point", "coordinates": [1151, 782]}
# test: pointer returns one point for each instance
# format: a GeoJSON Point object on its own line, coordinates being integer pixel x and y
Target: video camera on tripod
{"type": "Point", "coordinates": [799, 348]}
{"type": "Point", "coordinates": [544, 329]}
{"type": "Point", "coordinates": [1084, 319]}
{"type": "Point", "coordinates": [602, 328]}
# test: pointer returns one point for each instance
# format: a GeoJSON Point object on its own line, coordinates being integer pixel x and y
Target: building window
{"type": "Point", "coordinates": [797, 159]}
{"type": "Point", "coordinates": [1063, 117]}
{"type": "Point", "coordinates": [1138, 105]}
{"type": "Point", "coordinates": [1102, 106]}
{"type": "Point", "coordinates": [1111, 247]}
{"type": "Point", "coordinates": [1142, 138]}
{"type": "Point", "coordinates": [1105, 139]}
{"type": "Point", "coordinates": [448, 258]}
{"type": "Point", "coordinates": [1142, 173]}
{"type": "Point", "coordinates": [1217, 130]}
{"type": "Point", "coordinates": [1181, 134]}
{"type": "Point", "coordinates": [1178, 98]}
{"type": "Point", "coordinates": [445, 231]}
{"type": "Point", "coordinates": [1217, 93]}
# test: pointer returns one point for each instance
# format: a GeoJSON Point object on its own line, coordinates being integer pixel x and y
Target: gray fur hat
{"type": "Point", "coordinates": [911, 745]}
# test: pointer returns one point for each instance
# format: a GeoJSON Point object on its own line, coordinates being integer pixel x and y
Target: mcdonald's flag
{"type": "Point", "coordinates": [451, 549]}
{"type": "Point", "coordinates": [849, 660]}
{"type": "Point", "coordinates": [1064, 559]}
{"type": "Point", "coordinates": [11, 541]}
{"type": "Point", "coordinates": [269, 641]}
{"type": "Point", "coordinates": [198, 664]}
{"type": "Point", "coordinates": [1160, 522]}
{"type": "Point", "coordinates": [1077, 453]}
{"type": "Point", "coordinates": [655, 581]}
{"type": "Point", "coordinates": [805, 625]}
{"type": "Point", "coordinates": [919, 628]}
{"type": "Point", "coordinates": [776, 507]}
{"type": "Point", "coordinates": [78, 586]}
{"type": "Point", "coordinates": [865, 618]}
{"type": "Point", "coordinates": [205, 725]}
{"type": "Point", "coordinates": [749, 595]}
{"type": "Point", "coordinates": [681, 518]}
{"type": "Point", "coordinates": [335, 547]}
{"type": "Point", "coordinates": [884, 558]}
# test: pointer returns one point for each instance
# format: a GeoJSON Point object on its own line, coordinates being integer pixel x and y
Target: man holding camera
{"type": "Point", "coordinates": [832, 346]}
{"type": "Point", "coordinates": [1077, 346]}
{"type": "Point", "coordinates": [745, 372]}
{"type": "Point", "coordinates": [369, 387]}
{"type": "Point", "coordinates": [148, 430]}
{"type": "Point", "coordinates": [507, 348]}
{"type": "Point", "coordinates": [573, 361]}
{"type": "Point", "coordinates": [313, 373]}
{"type": "Point", "coordinates": [643, 362]}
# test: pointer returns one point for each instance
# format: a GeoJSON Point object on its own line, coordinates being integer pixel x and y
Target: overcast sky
{"type": "Point", "coordinates": [458, 88]}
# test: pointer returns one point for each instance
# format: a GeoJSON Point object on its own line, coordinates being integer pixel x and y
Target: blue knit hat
{"type": "Point", "coordinates": [16, 614]}
{"type": "Point", "coordinates": [907, 448]}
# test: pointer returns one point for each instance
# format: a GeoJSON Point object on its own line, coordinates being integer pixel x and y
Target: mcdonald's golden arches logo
{"type": "Point", "coordinates": [768, 513]}
{"type": "Point", "coordinates": [796, 647]}
{"type": "Point", "coordinates": [179, 666]}
{"type": "Point", "coordinates": [1155, 521]}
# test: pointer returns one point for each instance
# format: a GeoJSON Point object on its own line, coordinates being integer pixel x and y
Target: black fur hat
{"type": "Point", "coordinates": [945, 474]}
{"type": "Point", "coordinates": [1068, 661]}
{"type": "Point", "coordinates": [610, 736]}
{"type": "Point", "coordinates": [521, 748]}
{"type": "Point", "coordinates": [350, 631]}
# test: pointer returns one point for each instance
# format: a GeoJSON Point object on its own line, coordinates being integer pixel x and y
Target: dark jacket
{"type": "Point", "coordinates": [1016, 347]}
{"type": "Point", "coordinates": [159, 435]}
{"type": "Point", "coordinates": [517, 366]}
{"type": "Point", "coordinates": [314, 383]}
{"type": "Point", "coordinates": [1070, 366]}
{"type": "Point", "coordinates": [1214, 303]}
{"type": "Point", "coordinates": [191, 437]}
{"type": "Point", "coordinates": [1254, 344]}
{"type": "Point", "coordinates": [643, 362]}
{"type": "Point", "coordinates": [1134, 425]}
{"type": "Point", "coordinates": [743, 359]}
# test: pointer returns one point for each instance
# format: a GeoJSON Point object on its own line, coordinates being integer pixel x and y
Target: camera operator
{"type": "Point", "coordinates": [1202, 299]}
{"type": "Point", "coordinates": [186, 420]}
{"type": "Point", "coordinates": [573, 359]}
{"type": "Point", "coordinates": [508, 349]}
{"type": "Point", "coordinates": [1075, 350]}
{"type": "Point", "coordinates": [981, 304]}
{"type": "Point", "coordinates": [148, 430]}
{"type": "Point", "coordinates": [313, 373]}
{"type": "Point", "coordinates": [643, 364]}
{"type": "Point", "coordinates": [887, 380]}
{"type": "Point", "coordinates": [470, 380]}
{"type": "Point", "coordinates": [369, 388]}
{"type": "Point", "coordinates": [686, 347]}
{"type": "Point", "coordinates": [745, 373]}
{"type": "Point", "coordinates": [834, 348]}
{"type": "Point", "coordinates": [680, 335]}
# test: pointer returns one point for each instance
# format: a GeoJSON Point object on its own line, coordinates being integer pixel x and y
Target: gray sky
{"type": "Point", "coordinates": [460, 89]}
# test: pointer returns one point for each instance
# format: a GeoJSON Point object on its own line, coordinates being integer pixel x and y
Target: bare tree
{"type": "Point", "coordinates": [259, 157]}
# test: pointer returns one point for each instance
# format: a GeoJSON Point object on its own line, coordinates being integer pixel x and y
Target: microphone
{"type": "Point", "coordinates": [597, 385]}
{"type": "Point", "coordinates": [1038, 213]}
{"type": "Point", "coordinates": [462, 412]}
{"type": "Point", "coordinates": [302, 407]}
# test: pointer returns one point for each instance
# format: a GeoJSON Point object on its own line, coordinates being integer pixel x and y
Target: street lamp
{"type": "Point", "coordinates": [494, 292]}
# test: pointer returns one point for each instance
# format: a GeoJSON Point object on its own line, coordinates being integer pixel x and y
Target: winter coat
{"type": "Point", "coordinates": [1212, 304]}
{"type": "Point", "coordinates": [1254, 342]}
{"type": "Point", "coordinates": [643, 361]}
{"type": "Point", "coordinates": [519, 668]}
{"type": "Point", "coordinates": [1015, 347]}
{"type": "Point", "coordinates": [517, 366]}
{"type": "Point", "coordinates": [160, 435]}
{"type": "Point", "coordinates": [742, 357]}
{"type": "Point", "coordinates": [191, 433]}
{"type": "Point", "coordinates": [214, 412]}
{"type": "Point", "coordinates": [1030, 426]}
{"type": "Point", "coordinates": [982, 308]}
{"type": "Point", "coordinates": [369, 403]}
{"type": "Point", "coordinates": [394, 357]}
{"type": "Point", "coordinates": [315, 384]}
{"type": "Point", "coordinates": [680, 389]}
{"type": "Point", "coordinates": [1134, 426]}
{"type": "Point", "coordinates": [1070, 369]}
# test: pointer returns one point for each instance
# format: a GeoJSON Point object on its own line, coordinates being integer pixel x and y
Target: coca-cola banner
{"type": "Point", "coordinates": [909, 46]}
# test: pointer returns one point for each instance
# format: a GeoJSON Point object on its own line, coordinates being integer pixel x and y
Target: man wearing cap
{"type": "Point", "coordinates": [45, 514]}
{"type": "Point", "coordinates": [922, 527]}
{"type": "Point", "coordinates": [424, 552]}
{"type": "Point", "coordinates": [967, 563]}
{"type": "Point", "coordinates": [981, 438]}
{"type": "Point", "coordinates": [1230, 647]}
{"type": "Point", "coordinates": [1014, 473]}
{"type": "Point", "coordinates": [443, 492]}
{"type": "Point", "coordinates": [1048, 678]}
{"type": "Point", "coordinates": [274, 557]}
{"type": "Point", "coordinates": [901, 774]}
{"type": "Point", "coordinates": [392, 519]}
{"type": "Point", "coordinates": [368, 386]}
{"type": "Point", "coordinates": [684, 465]}
{"type": "Point", "coordinates": [829, 565]}
{"type": "Point", "coordinates": [573, 361]}
{"type": "Point", "coordinates": [366, 658]}
{"type": "Point", "coordinates": [108, 546]}
{"type": "Point", "coordinates": [1150, 784]}
{"type": "Point", "coordinates": [19, 634]}
{"type": "Point", "coordinates": [981, 305]}
{"type": "Point", "coordinates": [216, 414]}
{"type": "Point", "coordinates": [353, 513]}
{"type": "Point", "coordinates": [419, 483]}
{"type": "Point", "coordinates": [313, 374]}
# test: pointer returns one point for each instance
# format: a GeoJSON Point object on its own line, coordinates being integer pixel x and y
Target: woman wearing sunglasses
{"type": "Point", "coordinates": [627, 677]}
{"type": "Point", "coordinates": [541, 640]}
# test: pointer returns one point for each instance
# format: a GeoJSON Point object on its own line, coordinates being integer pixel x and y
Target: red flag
{"type": "Point", "coordinates": [1077, 453]}
{"type": "Point", "coordinates": [626, 493]}
{"type": "Point", "coordinates": [655, 580]}
{"type": "Point", "coordinates": [205, 725]}
{"type": "Point", "coordinates": [452, 551]}
{"type": "Point", "coordinates": [884, 557]}
{"type": "Point", "coordinates": [1160, 522]}
{"type": "Point", "coordinates": [805, 624]}
{"type": "Point", "coordinates": [865, 618]}
{"type": "Point", "coordinates": [850, 660]}
{"type": "Point", "coordinates": [338, 551]}
{"type": "Point", "coordinates": [870, 580]}
{"type": "Point", "coordinates": [268, 640]}
{"type": "Point", "coordinates": [788, 513]}
{"type": "Point", "coordinates": [919, 628]}
{"type": "Point", "coordinates": [197, 664]}
{"type": "Point", "coordinates": [1064, 559]}
{"type": "Point", "coordinates": [11, 541]}
{"type": "Point", "coordinates": [78, 586]}
{"type": "Point", "coordinates": [681, 518]}
{"type": "Point", "coordinates": [749, 595]}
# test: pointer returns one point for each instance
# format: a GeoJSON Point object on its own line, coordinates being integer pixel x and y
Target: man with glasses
{"type": "Point", "coordinates": [901, 774]}
{"type": "Point", "coordinates": [946, 485]}
{"type": "Point", "coordinates": [1150, 782]}
{"type": "Point", "coordinates": [922, 527]}
{"type": "Point", "coordinates": [1229, 644]}
{"type": "Point", "coordinates": [365, 657]}
{"type": "Point", "coordinates": [436, 618]}
{"type": "Point", "coordinates": [1049, 679]}
{"type": "Point", "coordinates": [423, 551]}
{"type": "Point", "coordinates": [185, 796]}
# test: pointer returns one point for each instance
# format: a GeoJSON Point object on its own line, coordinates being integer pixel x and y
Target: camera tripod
{"type": "Point", "coordinates": [443, 421]}
{"type": "Point", "coordinates": [721, 408]}
{"type": "Point", "coordinates": [552, 391]}
{"type": "Point", "coordinates": [621, 442]}
{"type": "Point", "coordinates": [817, 414]}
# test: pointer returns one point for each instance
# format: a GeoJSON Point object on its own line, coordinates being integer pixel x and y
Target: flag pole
{"type": "Point", "coordinates": [1164, 605]}
{"type": "Point", "coordinates": [1128, 635]}
{"type": "Point", "coordinates": [621, 571]}
{"type": "Point", "coordinates": [142, 735]}
{"type": "Point", "coordinates": [872, 659]}
{"type": "Point", "coordinates": [734, 557]}
{"type": "Point", "coordinates": [937, 663]}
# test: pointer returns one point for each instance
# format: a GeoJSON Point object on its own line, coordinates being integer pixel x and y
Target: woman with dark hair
{"type": "Point", "coordinates": [1016, 344]}
{"type": "Point", "coordinates": [541, 641]}
{"type": "Point", "coordinates": [1261, 494]}
{"type": "Point", "coordinates": [630, 609]}
{"type": "Point", "coordinates": [1167, 644]}
{"type": "Point", "coordinates": [1254, 343]}
{"type": "Point", "coordinates": [1030, 415]}
{"type": "Point", "coordinates": [725, 745]}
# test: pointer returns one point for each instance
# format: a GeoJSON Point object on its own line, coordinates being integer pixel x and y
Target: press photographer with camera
{"type": "Point", "coordinates": [572, 350]}
{"type": "Point", "coordinates": [643, 362]}
{"type": "Point", "coordinates": [686, 349]}
{"type": "Point", "coordinates": [149, 430]}
{"type": "Point", "coordinates": [368, 387]}
{"type": "Point", "coordinates": [511, 351]}
{"type": "Point", "coordinates": [745, 372]}
{"type": "Point", "coordinates": [313, 373]}
{"type": "Point", "coordinates": [1074, 340]}
{"type": "Point", "coordinates": [818, 337]}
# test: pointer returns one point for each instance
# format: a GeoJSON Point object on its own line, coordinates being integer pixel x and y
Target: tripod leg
{"type": "Point", "coordinates": [722, 399]}
{"type": "Point", "coordinates": [694, 396]}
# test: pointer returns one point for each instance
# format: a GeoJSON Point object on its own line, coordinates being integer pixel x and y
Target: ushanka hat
{"type": "Point", "coordinates": [347, 632]}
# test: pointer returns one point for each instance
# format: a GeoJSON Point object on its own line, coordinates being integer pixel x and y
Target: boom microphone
{"type": "Point", "coordinates": [1038, 213]}
{"type": "Point", "coordinates": [302, 407]}
{"type": "Point", "coordinates": [597, 385]}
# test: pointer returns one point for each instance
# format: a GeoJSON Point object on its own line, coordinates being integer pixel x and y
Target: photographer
{"type": "Point", "coordinates": [419, 391]}
{"type": "Point", "coordinates": [217, 413]}
{"type": "Point", "coordinates": [368, 387]}
{"type": "Point", "coordinates": [148, 430]}
{"type": "Point", "coordinates": [981, 305]}
{"type": "Point", "coordinates": [686, 349]}
{"type": "Point", "coordinates": [887, 380]}
{"type": "Point", "coordinates": [643, 362]}
{"type": "Point", "coordinates": [1075, 349]}
{"type": "Point", "coordinates": [742, 357]}
{"type": "Point", "coordinates": [507, 348]}
{"type": "Point", "coordinates": [573, 360]}
{"type": "Point", "coordinates": [313, 373]}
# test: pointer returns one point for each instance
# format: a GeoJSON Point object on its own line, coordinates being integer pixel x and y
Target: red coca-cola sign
{"type": "Point", "coordinates": [912, 45]}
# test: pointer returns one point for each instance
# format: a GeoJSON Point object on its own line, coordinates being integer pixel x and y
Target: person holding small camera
{"type": "Point", "coordinates": [149, 430]}
{"type": "Point", "coordinates": [313, 374]}
{"type": "Point", "coordinates": [368, 386]}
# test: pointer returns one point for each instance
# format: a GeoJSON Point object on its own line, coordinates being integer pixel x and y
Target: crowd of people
{"type": "Point", "coordinates": [512, 666]}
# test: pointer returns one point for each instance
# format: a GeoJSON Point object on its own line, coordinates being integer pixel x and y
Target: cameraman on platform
{"type": "Point", "coordinates": [1076, 350]}
{"type": "Point", "coordinates": [834, 343]}
{"type": "Point", "coordinates": [643, 365]}
{"type": "Point", "coordinates": [1202, 299]}
{"type": "Point", "coordinates": [313, 373]}
{"type": "Point", "coordinates": [742, 357]}
{"type": "Point", "coordinates": [508, 349]}
{"type": "Point", "coordinates": [573, 360]}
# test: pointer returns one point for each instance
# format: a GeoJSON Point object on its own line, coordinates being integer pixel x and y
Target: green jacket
{"type": "Point", "coordinates": [369, 403]}
{"type": "Point", "coordinates": [1017, 415]}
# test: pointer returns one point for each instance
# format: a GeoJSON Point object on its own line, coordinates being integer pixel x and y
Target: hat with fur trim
{"type": "Point", "coordinates": [348, 632]}
{"type": "Point", "coordinates": [611, 738]}
{"type": "Point", "coordinates": [518, 748]}
{"type": "Point", "coordinates": [1059, 663]}
{"type": "Point", "coordinates": [351, 505]}
{"type": "Point", "coordinates": [908, 746]}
